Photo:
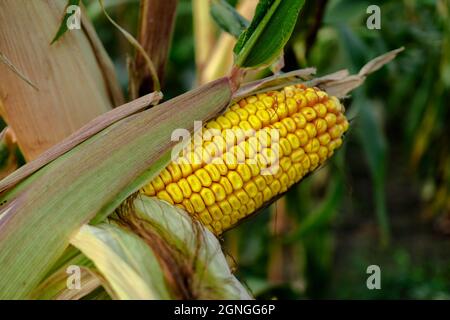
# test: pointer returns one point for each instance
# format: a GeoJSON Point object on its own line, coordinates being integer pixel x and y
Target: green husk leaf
{"type": "Point", "coordinates": [190, 245]}
{"type": "Point", "coordinates": [127, 263]}
{"type": "Point", "coordinates": [227, 18]}
{"type": "Point", "coordinates": [63, 26]}
{"type": "Point", "coordinates": [268, 32]}
{"type": "Point", "coordinates": [41, 213]}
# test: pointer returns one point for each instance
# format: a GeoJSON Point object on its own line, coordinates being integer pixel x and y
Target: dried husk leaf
{"type": "Point", "coordinates": [339, 83]}
{"type": "Point", "coordinates": [72, 85]}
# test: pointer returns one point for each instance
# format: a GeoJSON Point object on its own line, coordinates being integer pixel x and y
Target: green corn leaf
{"type": "Point", "coordinates": [270, 29]}
{"type": "Point", "coordinates": [374, 146]}
{"type": "Point", "coordinates": [125, 261]}
{"type": "Point", "coordinates": [63, 26]}
{"type": "Point", "coordinates": [322, 215]}
{"type": "Point", "coordinates": [40, 214]}
{"type": "Point", "coordinates": [228, 19]}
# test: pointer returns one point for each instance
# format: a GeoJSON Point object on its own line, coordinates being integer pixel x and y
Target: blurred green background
{"type": "Point", "coordinates": [384, 198]}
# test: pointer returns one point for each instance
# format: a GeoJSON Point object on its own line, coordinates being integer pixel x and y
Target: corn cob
{"type": "Point", "coordinates": [212, 186]}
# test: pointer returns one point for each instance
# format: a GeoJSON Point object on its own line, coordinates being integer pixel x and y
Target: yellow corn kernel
{"type": "Point", "coordinates": [226, 222]}
{"type": "Point", "coordinates": [149, 190]}
{"type": "Point", "coordinates": [320, 110]}
{"type": "Point", "coordinates": [282, 111]}
{"type": "Point", "coordinates": [260, 183]}
{"type": "Point", "coordinates": [212, 171]}
{"type": "Point", "coordinates": [205, 218]}
{"type": "Point", "coordinates": [197, 202]}
{"type": "Point", "coordinates": [330, 118]}
{"type": "Point", "coordinates": [281, 129]}
{"type": "Point", "coordinates": [285, 146]}
{"type": "Point", "coordinates": [335, 131]}
{"type": "Point", "coordinates": [322, 152]}
{"type": "Point", "coordinates": [226, 184]}
{"type": "Point", "coordinates": [297, 155]}
{"type": "Point", "coordinates": [185, 187]}
{"type": "Point", "coordinates": [258, 199]}
{"type": "Point", "coordinates": [302, 136]}
{"type": "Point", "coordinates": [194, 183]}
{"type": "Point", "coordinates": [264, 116]}
{"type": "Point", "coordinates": [309, 113]}
{"type": "Point", "coordinates": [311, 130]}
{"type": "Point", "coordinates": [267, 194]}
{"type": "Point", "coordinates": [321, 125]}
{"type": "Point", "coordinates": [300, 120]}
{"type": "Point", "coordinates": [244, 172]}
{"type": "Point", "coordinates": [255, 123]}
{"type": "Point", "coordinates": [289, 124]}
{"type": "Point", "coordinates": [235, 180]}
{"type": "Point", "coordinates": [215, 212]}
{"type": "Point", "coordinates": [208, 196]}
{"type": "Point", "coordinates": [217, 226]}
{"type": "Point", "coordinates": [242, 113]}
{"type": "Point", "coordinates": [292, 106]}
{"type": "Point", "coordinates": [268, 101]}
{"type": "Point", "coordinates": [158, 184]}
{"type": "Point", "coordinates": [251, 189]}
{"type": "Point", "coordinates": [275, 186]}
{"type": "Point", "coordinates": [225, 206]}
{"type": "Point", "coordinates": [292, 174]}
{"type": "Point", "coordinates": [242, 196]}
{"type": "Point", "coordinates": [188, 206]}
{"type": "Point", "coordinates": [293, 140]}
{"type": "Point", "coordinates": [242, 212]}
{"type": "Point", "coordinates": [234, 202]}
{"type": "Point", "coordinates": [313, 145]}
{"type": "Point", "coordinates": [285, 163]}
{"type": "Point", "coordinates": [163, 195]}
{"type": "Point", "coordinates": [324, 139]}
{"type": "Point", "coordinates": [251, 108]}
{"type": "Point", "coordinates": [175, 192]}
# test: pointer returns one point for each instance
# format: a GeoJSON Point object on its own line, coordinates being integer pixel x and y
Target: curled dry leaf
{"type": "Point", "coordinates": [338, 84]}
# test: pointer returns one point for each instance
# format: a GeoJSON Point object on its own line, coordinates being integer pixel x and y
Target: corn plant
{"type": "Point", "coordinates": [107, 195]}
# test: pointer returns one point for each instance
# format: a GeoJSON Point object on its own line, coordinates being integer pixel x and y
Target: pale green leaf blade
{"type": "Point", "coordinates": [212, 278]}
{"type": "Point", "coordinates": [127, 263]}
